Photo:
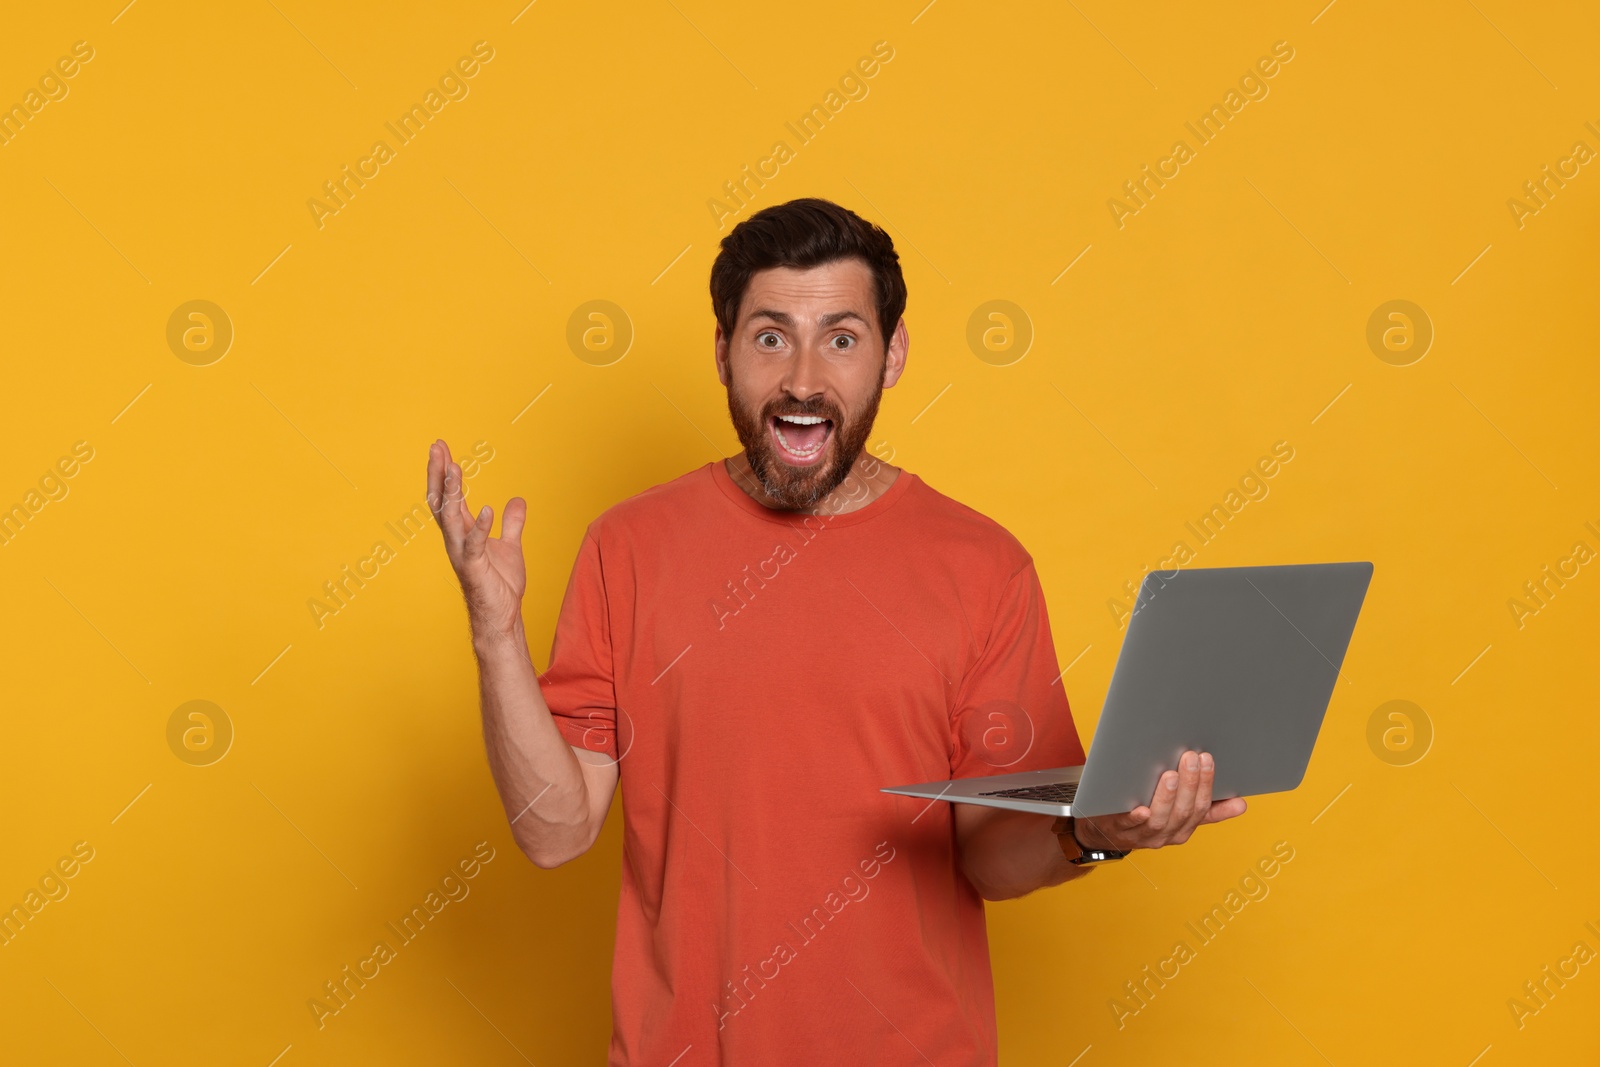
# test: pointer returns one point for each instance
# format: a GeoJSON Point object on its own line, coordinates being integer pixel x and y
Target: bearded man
{"type": "Point", "coordinates": [751, 651]}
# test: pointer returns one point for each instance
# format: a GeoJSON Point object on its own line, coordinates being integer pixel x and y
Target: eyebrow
{"type": "Point", "coordinates": [783, 318]}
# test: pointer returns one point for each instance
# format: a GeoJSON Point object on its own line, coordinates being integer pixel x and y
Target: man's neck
{"type": "Point", "coordinates": [869, 478]}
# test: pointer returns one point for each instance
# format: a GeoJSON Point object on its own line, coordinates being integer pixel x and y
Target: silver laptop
{"type": "Point", "coordinates": [1240, 662]}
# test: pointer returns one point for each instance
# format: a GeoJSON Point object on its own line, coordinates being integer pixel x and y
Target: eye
{"type": "Point", "coordinates": [762, 342]}
{"type": "Point", "coordinates": [849, 342]}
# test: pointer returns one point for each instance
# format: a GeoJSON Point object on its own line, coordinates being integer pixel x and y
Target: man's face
{"type": "Point", "coordinates": [807, 345]}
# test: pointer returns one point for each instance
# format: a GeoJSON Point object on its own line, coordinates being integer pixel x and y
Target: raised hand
{"type": "Point", "coordinates": [491, 570]}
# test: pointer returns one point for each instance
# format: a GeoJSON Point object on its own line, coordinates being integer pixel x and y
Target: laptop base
{"type": "Point", "coordinates": [990, 791]}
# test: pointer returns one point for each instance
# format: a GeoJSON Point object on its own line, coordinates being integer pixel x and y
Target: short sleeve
{"type": "Point", "coordinates": [579, 688]}
{"type": "Point", "coordinates": [1011, 712]}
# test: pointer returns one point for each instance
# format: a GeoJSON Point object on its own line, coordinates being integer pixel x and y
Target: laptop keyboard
{"type": "Point", "coordinates": [1059, 793]}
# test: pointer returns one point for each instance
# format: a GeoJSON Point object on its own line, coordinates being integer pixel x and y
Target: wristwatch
{"type": "Point", "coordinates": [1076, 851]}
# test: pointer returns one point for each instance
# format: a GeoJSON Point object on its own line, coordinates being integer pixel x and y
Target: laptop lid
{"type": "Point", "coordinates": [1240, 662]}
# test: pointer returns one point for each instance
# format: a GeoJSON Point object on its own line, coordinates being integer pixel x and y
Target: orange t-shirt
{"type": "Point", "coordinates": [760, 675]}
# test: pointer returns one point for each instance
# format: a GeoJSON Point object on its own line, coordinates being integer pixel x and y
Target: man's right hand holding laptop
{"type": "Point", "coordinates": [1181, 804]}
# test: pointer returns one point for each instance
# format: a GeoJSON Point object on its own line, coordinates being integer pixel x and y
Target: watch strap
{"type": "Point", "coordinates": [1077, 852]}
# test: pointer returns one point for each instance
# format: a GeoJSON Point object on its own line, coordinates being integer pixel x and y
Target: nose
{"type": "Point", "coordinates": [805, 377]}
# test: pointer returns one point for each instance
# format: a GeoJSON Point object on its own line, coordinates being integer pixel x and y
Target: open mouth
{"type": "Point", "coordinates": [801, 438]}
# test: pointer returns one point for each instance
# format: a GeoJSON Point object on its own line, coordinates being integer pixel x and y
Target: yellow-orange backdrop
{"type": "Point", "coordinates": [234, 456]}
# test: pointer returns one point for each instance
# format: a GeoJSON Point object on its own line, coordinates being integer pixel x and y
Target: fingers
{"type": "Point", "coordinates": [478, 534]}
{"type": "Point", "coordinates": [516, 514]}
{"type": "Point", "coordinates": [1188, 783]}
{"type": "Point", "coordinates": [1225, 809]}
{"type": "Point", "coordinates": [462, 518]}
{"type": "Point", "coordinates": [444, 496]}
{"type": "Point", "coordinates": [438, 459]}
{"type": "Point", "coordinates": [1181, 804]}
{"type": "Point", "coordinates": [1202, 811]}
{"type": "Point", "coordinates": [1202, 794]}
{"type": "Point", "coordinates": [1183, 799]}
{"type": "Point", "coordinates": [1161, 803]}
{"type": "Point", "coordinates": [466, 534]}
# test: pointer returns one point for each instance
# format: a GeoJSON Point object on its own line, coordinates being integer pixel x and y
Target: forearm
{"type": "Point", "coordinates": [540, 781]}
{"type": "Point", "coordinates": [1013, 853]}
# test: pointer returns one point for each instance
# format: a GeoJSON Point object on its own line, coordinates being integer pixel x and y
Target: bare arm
{"type": "Point", "coordinates": [1007, 854]}
{"type": "Point", "coordinates": [555, 796]}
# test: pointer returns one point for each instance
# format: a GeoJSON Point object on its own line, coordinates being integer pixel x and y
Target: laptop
{"type": "Point", "coordinates": [1240, 662]}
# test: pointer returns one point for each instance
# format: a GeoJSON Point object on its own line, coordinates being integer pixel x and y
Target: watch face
{"type": "Point", "coordinates": [1065, 828]}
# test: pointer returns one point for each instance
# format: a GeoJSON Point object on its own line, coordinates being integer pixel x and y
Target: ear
{"type": "Point", "coordinates": [894, 360]}
{"type": "Point", "coordinates": [719, 344]}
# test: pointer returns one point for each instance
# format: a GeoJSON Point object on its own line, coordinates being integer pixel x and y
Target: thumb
{"type": "Point", "coordinates": [512, 520]}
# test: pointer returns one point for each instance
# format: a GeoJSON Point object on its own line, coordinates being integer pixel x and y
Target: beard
{"type": "Point", "coordinates": [798, 488]}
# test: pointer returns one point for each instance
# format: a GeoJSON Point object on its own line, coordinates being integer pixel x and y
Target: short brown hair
{"type": "Point", "coordinates": [801, 234]}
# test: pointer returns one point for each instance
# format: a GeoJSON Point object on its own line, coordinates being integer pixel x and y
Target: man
{"type": "Point", "coordinates": [752, 650]}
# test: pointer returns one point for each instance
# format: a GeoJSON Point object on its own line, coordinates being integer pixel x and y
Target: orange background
{"type": "Point", "coordinates": [1229, 312]}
